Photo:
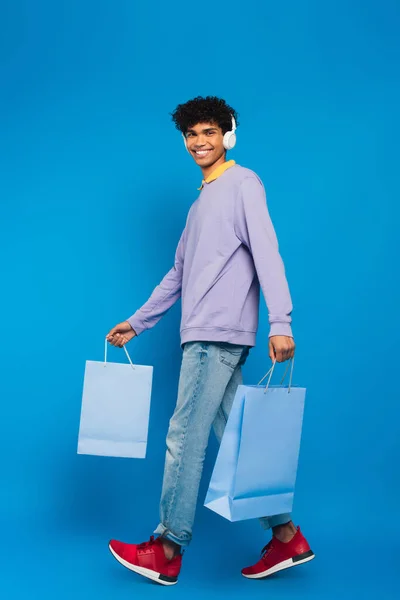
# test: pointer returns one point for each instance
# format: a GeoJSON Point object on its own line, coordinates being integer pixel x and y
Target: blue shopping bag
{"type": "Point", "coordinates": [115, 408]}
{"type": "Point", "coordinates": [255, 471]}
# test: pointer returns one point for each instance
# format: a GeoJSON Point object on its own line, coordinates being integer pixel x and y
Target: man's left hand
{"type": "Point", "coordinates": [281, 348]}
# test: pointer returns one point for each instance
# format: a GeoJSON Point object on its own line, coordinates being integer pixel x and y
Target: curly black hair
{"type": "Point", "coordinates": [200, 110]}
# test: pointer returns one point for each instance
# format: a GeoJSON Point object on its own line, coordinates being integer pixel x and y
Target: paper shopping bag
{"type": "Point", "coordinates": [115, 408]}
{"type": "Point", "coordinates": [255, 471]}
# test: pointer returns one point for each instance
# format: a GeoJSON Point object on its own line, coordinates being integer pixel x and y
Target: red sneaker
{"type": "Point", "coordinates": [148, 559]}
{"type": "Point", "coordinates": [277, 556]}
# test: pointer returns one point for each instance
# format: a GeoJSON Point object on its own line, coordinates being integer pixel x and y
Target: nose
{"type": "Point", "coordinates": [200, 141]}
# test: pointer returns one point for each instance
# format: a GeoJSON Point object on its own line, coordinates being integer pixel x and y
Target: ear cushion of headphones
{"type": "Point", "coordinates": [184, 141]}
{"type": "Point", "coordinates": [229, 140]}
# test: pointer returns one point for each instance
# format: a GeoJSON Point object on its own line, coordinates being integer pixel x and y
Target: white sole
{"type": "Point", "coordinates": [153, 575]}
{"type": "Point", "coordinates": [286, 564]}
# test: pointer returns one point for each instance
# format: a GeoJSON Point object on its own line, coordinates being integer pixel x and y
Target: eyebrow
{"type": "Point", "coordinates": [203, 130]}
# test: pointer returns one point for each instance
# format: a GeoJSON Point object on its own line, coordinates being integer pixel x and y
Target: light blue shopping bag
{"type": "Point", "coordinates": [115, 408]}
{"type": "Point", "coordinates": [255, 471]}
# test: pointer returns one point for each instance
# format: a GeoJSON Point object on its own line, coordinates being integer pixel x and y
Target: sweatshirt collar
{"type": "Point", "coordinates": [217, 172]}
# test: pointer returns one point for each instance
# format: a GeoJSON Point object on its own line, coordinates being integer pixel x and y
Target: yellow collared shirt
{"type": "Point", "coordinates": [217, 172]}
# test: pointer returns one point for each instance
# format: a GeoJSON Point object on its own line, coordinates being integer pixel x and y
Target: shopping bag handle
{"type": "Point", "coordinates": [270, 373]}
{"type": "Point", "coordinates": [126, 352]}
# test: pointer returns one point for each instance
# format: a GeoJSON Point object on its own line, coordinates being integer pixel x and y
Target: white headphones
{"type": "Point", "coordinates": [229, 140]}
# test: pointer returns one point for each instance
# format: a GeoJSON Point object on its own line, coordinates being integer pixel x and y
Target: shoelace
{"type": "Point", "coordinates": [144, 545]}
{"type": "Point", "coordinates": [267, 549]}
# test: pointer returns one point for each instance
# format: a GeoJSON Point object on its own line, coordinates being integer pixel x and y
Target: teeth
{"type": "Point", "coordinates": [202, 151]}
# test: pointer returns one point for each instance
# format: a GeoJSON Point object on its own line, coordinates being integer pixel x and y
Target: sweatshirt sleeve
{"type": "Point", "coordinates": [255, 230]}
{"type": "Point", "coordinates": [163, 297]}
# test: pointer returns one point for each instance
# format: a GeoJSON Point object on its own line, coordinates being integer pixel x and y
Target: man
{"type": "Point", "coordinates": [227, 250]}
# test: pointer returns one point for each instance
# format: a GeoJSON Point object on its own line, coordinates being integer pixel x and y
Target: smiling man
{"type": "Point", "coordinates": [228, 250]}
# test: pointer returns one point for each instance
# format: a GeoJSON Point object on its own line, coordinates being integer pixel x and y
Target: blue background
{"type": "Point", "coordinates": [95, 188]}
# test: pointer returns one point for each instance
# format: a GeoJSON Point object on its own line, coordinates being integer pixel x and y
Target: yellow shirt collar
{"type": "Point", "coordinates": [217, 172]}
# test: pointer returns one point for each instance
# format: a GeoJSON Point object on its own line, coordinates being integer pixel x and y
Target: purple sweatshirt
{"type": "Point", "coordinates": [227, 249]}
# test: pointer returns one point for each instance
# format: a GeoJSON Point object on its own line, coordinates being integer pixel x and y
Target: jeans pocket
{"type": "Point", "coordinates": [230, 354]}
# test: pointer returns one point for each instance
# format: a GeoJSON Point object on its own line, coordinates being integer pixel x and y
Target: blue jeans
{"type": "Point", "coordinates": [210, 374]}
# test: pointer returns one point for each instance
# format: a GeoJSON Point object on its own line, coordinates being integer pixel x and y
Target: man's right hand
{"type": "Point", "coordinates": [121, 334]}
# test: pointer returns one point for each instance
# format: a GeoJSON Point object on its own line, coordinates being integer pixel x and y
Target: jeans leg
{"type": "Point", "coordinates": [206, 370]}
{"type": "Point", "coordinates": [269, 522]}
{"type": "Point", "coordinates": [225, 407]}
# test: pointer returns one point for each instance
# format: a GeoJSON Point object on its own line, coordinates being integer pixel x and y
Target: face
{"type": "Point", "coordinates": [205, 142]}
